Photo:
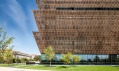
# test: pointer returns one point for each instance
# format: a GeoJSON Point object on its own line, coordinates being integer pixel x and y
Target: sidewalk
{"type": "Point", "coordinates": [17, 69]}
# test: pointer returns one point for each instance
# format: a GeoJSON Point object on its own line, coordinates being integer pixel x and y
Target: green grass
{"type": "Point", "coordinates": [63, 68]}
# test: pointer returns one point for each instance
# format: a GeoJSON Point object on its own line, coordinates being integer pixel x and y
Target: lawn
{"type": "Point", "coordinates": [69, 68]}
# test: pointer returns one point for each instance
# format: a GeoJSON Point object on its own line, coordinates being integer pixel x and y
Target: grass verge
{"type": "Point", "coordinates": [63, 68]}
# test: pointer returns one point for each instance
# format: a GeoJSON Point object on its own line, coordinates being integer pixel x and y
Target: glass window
{"type": "Point", "coordinates": [108, 59]}
{"type": "Point", "coordinates": [80, 57]}
{"type": "Point", "coordinates": [104, 58]}
{"type": "Point", "coordinates": [117, 56]}
{"type": "Point", "coordinates": [90, 58]}
{"type": "Point", "coordinates": [94, 59]}
{"type": "Point", "coordinates": [84, 58]}
{"type": "Point", "coordinates": [43, 56]}
{"type": "Point", "coordinates": [58, 57]}
{"type": "Point", "coordinates": [117, 59]}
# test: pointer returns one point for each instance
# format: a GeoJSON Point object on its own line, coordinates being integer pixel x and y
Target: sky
{"type": "Point", "coordinates": [17, 19]}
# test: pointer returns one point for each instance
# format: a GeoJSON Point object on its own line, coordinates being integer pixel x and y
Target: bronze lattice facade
{"type": "Point", "coordinates": [78, 26]}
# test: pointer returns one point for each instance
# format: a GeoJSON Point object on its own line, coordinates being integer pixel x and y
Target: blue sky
{"type": "Point", "coordinates": [17, 19]}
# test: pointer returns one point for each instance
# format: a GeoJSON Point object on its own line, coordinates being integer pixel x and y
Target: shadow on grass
{"type": "Point", "coordinates": [63, 66]}
{"type": "Point", "coordinates": [50, 66]}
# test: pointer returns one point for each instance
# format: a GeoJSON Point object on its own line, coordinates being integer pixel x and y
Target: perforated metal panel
{"type": "Point", "coordinates": [78, 26]}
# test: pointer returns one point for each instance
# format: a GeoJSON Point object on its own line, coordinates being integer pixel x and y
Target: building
{"type": "Point", "coordinates": [88, 28]}
{"type": "Point", "coordinates": [18, 54]}
{"type": "Point", "coordinates": [33, 55]}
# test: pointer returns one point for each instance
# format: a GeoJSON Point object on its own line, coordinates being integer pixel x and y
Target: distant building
{"type": "Point", "coordinates": [33, 55]}
{"type": "Point", "coordinates": [18, 54]}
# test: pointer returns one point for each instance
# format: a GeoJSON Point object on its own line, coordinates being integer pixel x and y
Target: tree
{"type": "Point", "coordinates": [8, 56]}
{"type": "Point", "coordinates": [66, 58]}
{"type": "Point", "coordinates": [5, 41]}
{"type": "Point", "coordinates": [1, 59]}
{"type": "Point", "coordinates": [37, 58]}
{"type": "Point", "coordinates": [96, 59]}
{"type": "Point", "coordinates": [23, 60]}
{"type": "Point", "coordinates": [49, 53]}
{"type": "Point", "coordinates": [17, 60]}
{"type": "Point", "coordinates": [76, 59]}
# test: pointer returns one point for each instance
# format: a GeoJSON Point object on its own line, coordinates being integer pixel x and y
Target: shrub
{"type": "Point", "coordinates": [66, 58]}
{"type": "Point", "coordinates": [23, 60]}
{"type": "Point", "coordinates": [76, 59]}
{"type": "Point", "coordinates": [1, 59]}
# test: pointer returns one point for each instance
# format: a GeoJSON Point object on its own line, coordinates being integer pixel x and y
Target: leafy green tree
{"type": "Point", "coordinates": [8, 56]}
{"type": "Point", "coordinates": [23, 60]}
{"type": "Point", "coordinates": [49, 53]}
{"type": "Point", "coordinates": [66, 58]}
{"type": "Point", "coordinates": [76, 59]}
{"type": "Point", "coordinates": [17, 60]}
{"type": "Point", "coordinates": [14, 60]}
{"type": "Point", "coordinates": [37, 58]}
{"type": "Point", "coordinates": [5, 41]}
{"type": "Point", "coordinates": [1, 59]}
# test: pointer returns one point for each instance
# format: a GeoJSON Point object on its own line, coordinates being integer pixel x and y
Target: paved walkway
{"type": "Point", "coordinates": [17, 69]}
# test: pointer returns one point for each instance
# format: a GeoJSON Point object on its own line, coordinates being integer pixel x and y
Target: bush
{"type": "Point", "coordinates": [1, 60]}
{"type": "Point", "coordinates": [9, 61]}
{"type": "Point", "coordinates": [76, 59]}
{"type": "Point", "coordinates": [37, 58]}
{"type": "Point", "coordinates": [17, 60]}
{"type": "Point", "coordinates": [23, 60]}
{"type": "Point", "coordinates": [30, 62]}
{"type": "Point", "coordinates": [66, 58]}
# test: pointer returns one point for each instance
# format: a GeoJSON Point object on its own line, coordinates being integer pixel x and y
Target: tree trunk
{"type": "Point", "coordinates": [67, 65]}
{"type": "Point", "coordinates": [50, 62]}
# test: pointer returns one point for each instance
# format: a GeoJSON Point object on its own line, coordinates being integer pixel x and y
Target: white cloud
{"type": "Point", "coordinates": [24, 22]}
{"type": "Point", "coordinates": [16, 13]}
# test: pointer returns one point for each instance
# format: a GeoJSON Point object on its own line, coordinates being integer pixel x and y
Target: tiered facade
{"type": "Point", "coordinates": [78, 26]}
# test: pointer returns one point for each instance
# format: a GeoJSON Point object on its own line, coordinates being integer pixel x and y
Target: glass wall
{"type": "Point", "coordinates": [43, 56]}
{"type": "Point", "coordinates": [117, 61]}
{"type": "Point", "coordinates": [92, 58]}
